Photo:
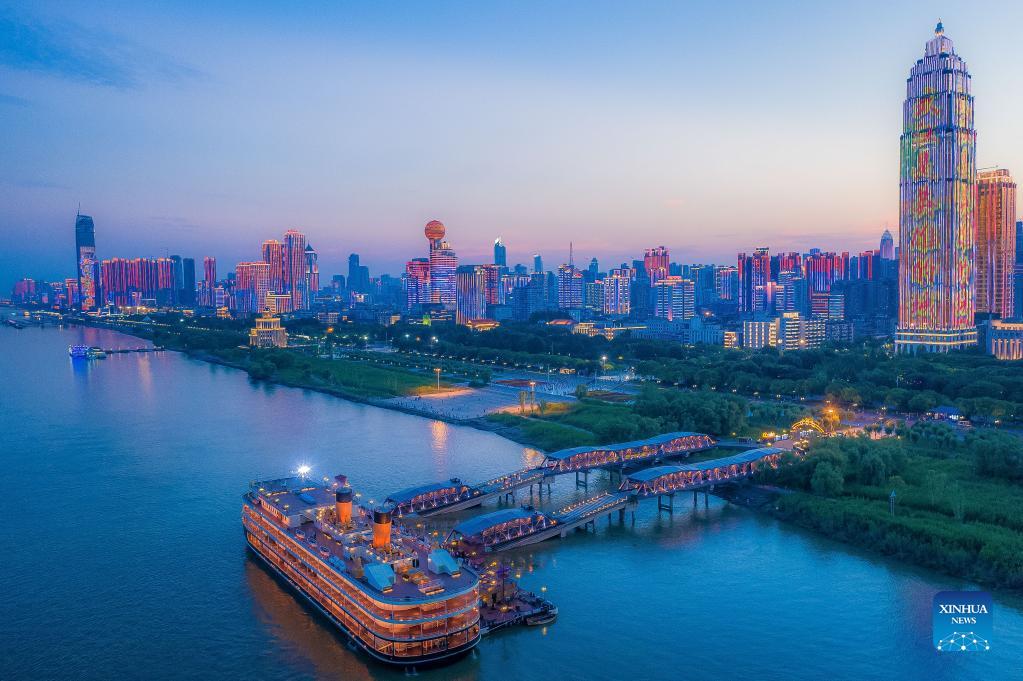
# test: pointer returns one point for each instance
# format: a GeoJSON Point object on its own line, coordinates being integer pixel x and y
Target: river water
{"type": "Point", "coordinates": [123, 556]}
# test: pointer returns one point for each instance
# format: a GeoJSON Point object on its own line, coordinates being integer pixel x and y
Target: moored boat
{"type": "Point", "coordinates": [397, 597]}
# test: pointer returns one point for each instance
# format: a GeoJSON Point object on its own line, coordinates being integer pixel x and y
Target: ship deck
{"type": "Point", "coordinates": [348, 550]}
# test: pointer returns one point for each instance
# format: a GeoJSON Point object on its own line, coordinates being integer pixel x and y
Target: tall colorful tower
{"type": "Point", "coordinates": [996, 241]}
{"type": "Point", "coordinates": [937, 204]}
{"type": "Point", "coordinates": [86, 263]}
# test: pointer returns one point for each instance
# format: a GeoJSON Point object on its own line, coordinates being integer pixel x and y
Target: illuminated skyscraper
{"type": "Point", "coordinates": [85, 263]}
{"type": "Point", "coordinates": [500, 253]}
{"type": "Point", "coordinates": [443, 263]}
{"type": "Point", "coordinates": [129, 281]}
{"type": "Point", "coordinates": [209, 280]}
{"type": "Point", "coordinates": [494, 294]}
{"type": "Point", "coordinates": [617, 292]}
{"type": "Point", "coordinates": [537, 263]}
{"type": "Point", "coordinates": [252, 282]}
{"type": "Point", "coordinates": [417, 283]}
{"type": "Point", "coordinates": [1017, 276]}
{"type": "Point", "coordinates": [754, 273]}
{"type": "Point", "coordinates": [887, 246]}
{"type": "Point", "coordinates": [726, 283]}
{"type": "Point", "coordinates": [674, 299]}
{"type": "Point", "coordinates": [471, 291]}
{"type": "Point", "coordinates": [294, 268]}
{"type": "Point", "coordinates": [311, 277]}
{"type": "Point", "coordinates": [937, 204]}
{"type": "Point", "coordinates": [570, 288]}
{"type": "Point", "coordinates": [656, 262]}
{"type": "Point", "coordinates": [822, 270]}
{"type": "Point", "coordinates": [273, 255]}
{"type": "Point", "coordinates": [996, 241]}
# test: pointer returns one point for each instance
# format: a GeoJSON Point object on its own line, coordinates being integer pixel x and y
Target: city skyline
{"type": "Point", "coordinates": [672, 196]}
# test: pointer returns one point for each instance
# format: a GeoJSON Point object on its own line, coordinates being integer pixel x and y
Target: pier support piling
{"type": "Point", "coordinates": [585, 481]}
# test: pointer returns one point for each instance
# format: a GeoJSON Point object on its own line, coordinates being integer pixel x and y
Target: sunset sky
{"type": "Point", "coordinates": [709, 128]}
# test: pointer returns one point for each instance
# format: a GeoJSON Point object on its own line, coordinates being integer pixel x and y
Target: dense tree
{"type": "Point", "coordinates": [827, 481]}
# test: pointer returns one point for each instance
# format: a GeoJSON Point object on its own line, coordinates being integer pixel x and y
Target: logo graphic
{"type": "Point", "coordinates": [962, 621]}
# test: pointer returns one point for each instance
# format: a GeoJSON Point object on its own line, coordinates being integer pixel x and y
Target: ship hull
{"type": "Point", "coordinates": [425, 660]}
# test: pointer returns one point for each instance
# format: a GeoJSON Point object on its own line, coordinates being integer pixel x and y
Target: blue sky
{"type": "Point", "coordinates": [204, 128]}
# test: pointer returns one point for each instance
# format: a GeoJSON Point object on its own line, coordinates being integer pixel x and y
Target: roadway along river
{"type": "Point", "coordinates": [123, 555]}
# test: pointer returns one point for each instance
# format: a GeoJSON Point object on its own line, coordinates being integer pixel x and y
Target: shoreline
{"type": "Point", "coordinates": [479, 423]}
{"type": "Point", "coordinates": [509, 433]}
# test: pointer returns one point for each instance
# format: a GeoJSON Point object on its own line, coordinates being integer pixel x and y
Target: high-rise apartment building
{"type": "Point", "coordinates": [726, 283]}
{"type": "Point", "coordinates": [617, 292]}
{"type": "Point", "coordinates": [471, 289]}
{"type": "Point", "coordinates": [674, 299]}
{"type": "Point", "coordinates": [252, 282]}
{"type": "Point", "coordinates": [417, 283]}
{"type": "Point", "coordinates": [995, 242]}
{"type": "Point", "coordinates": [754, 273]}
{"type": "Point", "coordinates": [311, 277]}
{"type": "Point", "coordinates": [209, 280]}
{"type": "Point", "coordinates": [273, 255]}
{"type": "Point", "coordinates": [570, 288]}
{"type": "Point", "coordinates": [129, 281]}
{"type": "Point", "coordinates": [1017, 277]}
{"type": "Point", "coordinates": [294, 267]}
{"type": "Point", "coordinates": [656, 262]}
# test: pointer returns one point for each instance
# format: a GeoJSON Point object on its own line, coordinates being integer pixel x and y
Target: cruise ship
{"type": "Point", "coordinates": [397, 597]}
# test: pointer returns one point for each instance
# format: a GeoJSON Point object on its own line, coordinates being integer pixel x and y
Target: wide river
{"type": "Point", "coordinates": [122, 555]}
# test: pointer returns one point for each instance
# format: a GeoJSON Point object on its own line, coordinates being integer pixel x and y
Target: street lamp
{"type": "Point", "coordinates": [436, 370]}
{"type": "Point", "coordinates": [532, 395]}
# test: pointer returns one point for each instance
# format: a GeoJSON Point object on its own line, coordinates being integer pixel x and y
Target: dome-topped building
{"type": "Point", "coordinates": [443, 263]}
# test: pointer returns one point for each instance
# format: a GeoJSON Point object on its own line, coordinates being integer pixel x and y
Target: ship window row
{"type": "Point", "coordinates": [382, 645]}
{"type": "Point", "coordinates": [401, 633]}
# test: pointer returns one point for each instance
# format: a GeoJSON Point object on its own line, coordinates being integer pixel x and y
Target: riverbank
{"type": "Point", "coordinates": [947, 527]}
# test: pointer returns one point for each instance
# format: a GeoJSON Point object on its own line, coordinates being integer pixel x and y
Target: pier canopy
{"type": "Point", "coordinates": [668, 479]}
{"type": "Point", "coordinates": [669, 444]}
{"type": "Point", "coordinates": [499, 526]}
{"type": "Point", "coordinates": [430, 496]}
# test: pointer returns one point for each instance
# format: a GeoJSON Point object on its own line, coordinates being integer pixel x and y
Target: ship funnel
{"type": "Point", "coordinates": [343, 504]}
{"type": "Point", "coordinates": [381, 528]}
